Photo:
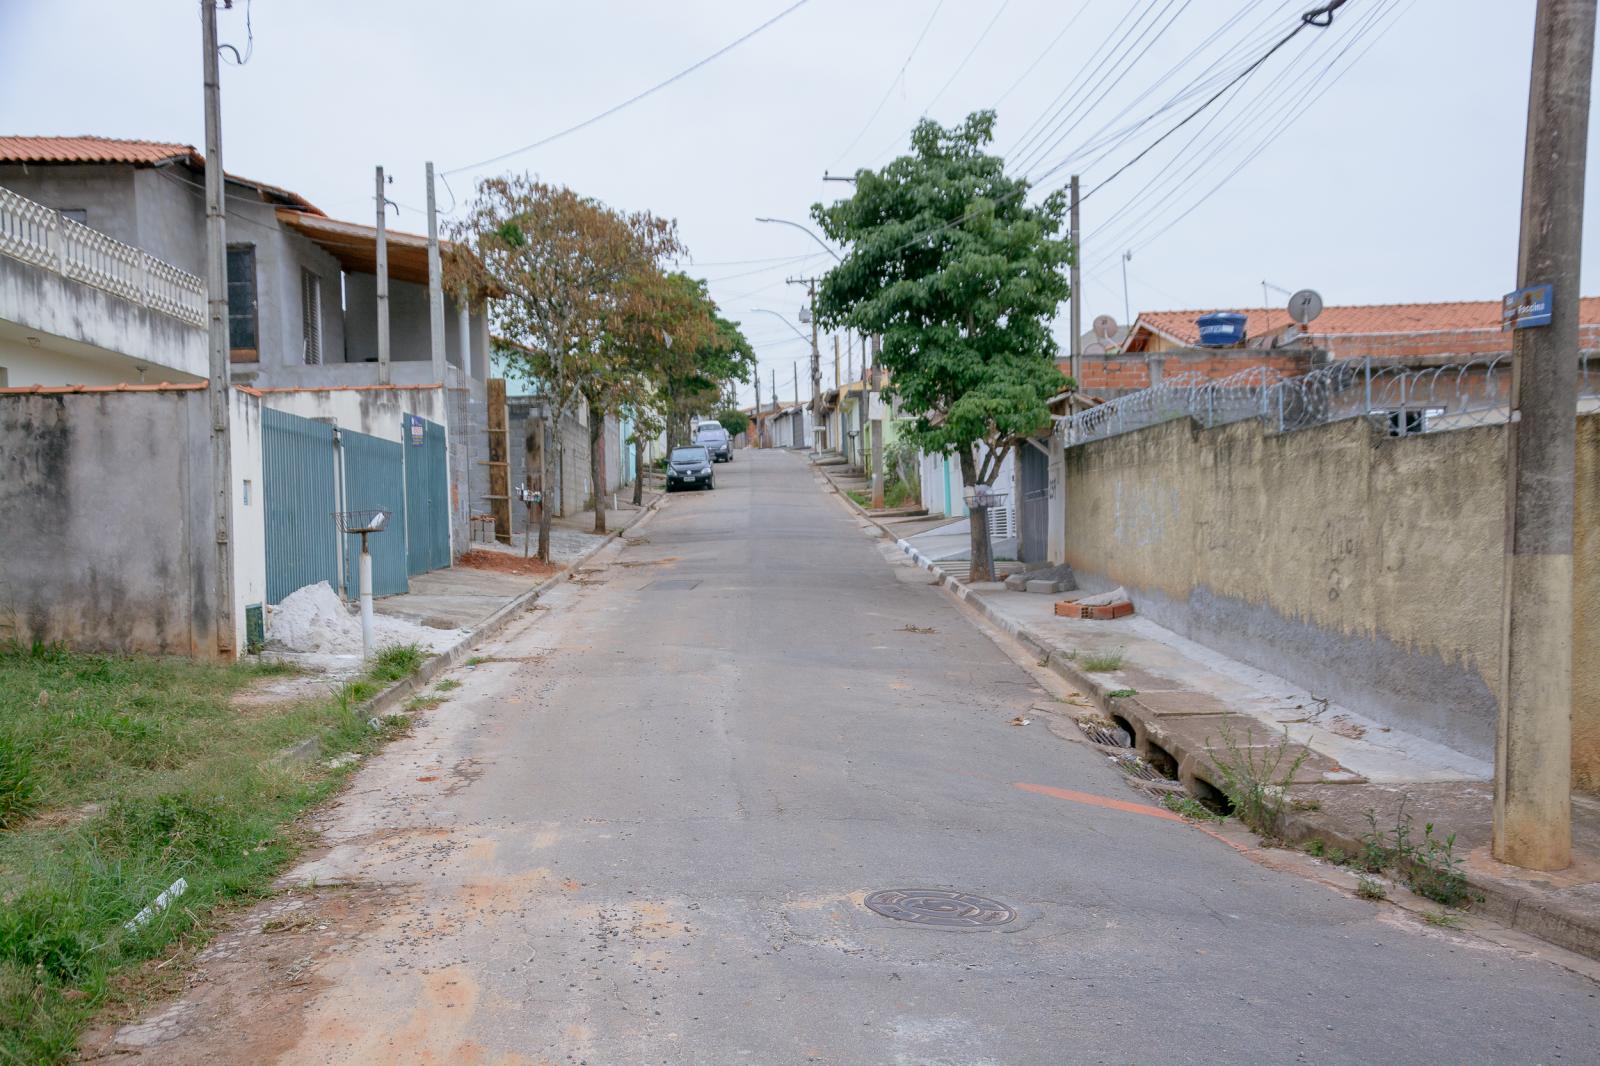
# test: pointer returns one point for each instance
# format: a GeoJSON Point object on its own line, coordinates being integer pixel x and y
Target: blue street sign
{"type": "Point", "coordinates": [1528, 307]}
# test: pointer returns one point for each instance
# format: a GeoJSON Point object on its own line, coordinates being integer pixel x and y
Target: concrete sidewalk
{"type": "Point", "coordinates": [1173, 697]}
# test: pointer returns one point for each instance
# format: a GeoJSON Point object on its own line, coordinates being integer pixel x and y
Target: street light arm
{"type": "Point", "coordinates": [807, 232]}
{"type": "Point", "coordinates": [791, 325]}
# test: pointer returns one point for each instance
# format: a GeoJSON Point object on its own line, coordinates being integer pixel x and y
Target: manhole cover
{"type": "Point", "coordinates": [940, 908]}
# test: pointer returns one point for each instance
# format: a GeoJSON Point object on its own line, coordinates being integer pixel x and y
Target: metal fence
{"type": "Point", "coordinates": [1401, 400]}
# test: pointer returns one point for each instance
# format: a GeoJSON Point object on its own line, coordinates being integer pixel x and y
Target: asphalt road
{"type": "Point", "coordinates": [643, 833]}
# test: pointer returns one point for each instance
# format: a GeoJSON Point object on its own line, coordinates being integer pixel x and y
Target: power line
{"type": "Point", "coordinates": [1040, 57]}
{"type": "Point", "coordinates": [608, 112]}
{"type": "Point", "coordinates": [890, 90]}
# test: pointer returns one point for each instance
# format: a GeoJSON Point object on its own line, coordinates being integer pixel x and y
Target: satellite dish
{"type": "Point", "coordinates": [1105, 327]}
{"type": "Point", "coordinates": [1305, 305]}
{"type": "Point", "coordinates": [1095, 347]}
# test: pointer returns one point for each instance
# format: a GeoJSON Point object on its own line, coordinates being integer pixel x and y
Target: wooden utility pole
{"type": "Point", "coordinates": [1076, 348]}
{"type": "Point", "coordinates": [218, 387]}
{"type": "Point", "coordinates": [499, 469]}
{"type": "Point", "coordinates": [1533, 755]}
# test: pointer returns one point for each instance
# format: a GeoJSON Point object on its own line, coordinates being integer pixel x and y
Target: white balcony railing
{"type": "Point", "coordinates": [39, 235]}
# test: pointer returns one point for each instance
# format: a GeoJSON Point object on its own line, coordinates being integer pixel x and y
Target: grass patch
{"type": "Point", "coordinates": [395, 662]}
{"type": "Point", "coordinates": [175, 783]}
{"type": "Point", "coordinates": [1122, 693]}
{"type": "Point", "coordinates": [447, 684]}
{"type": "Point", "coordinates": [1100, 661]}
{"type": "Point", "coordinates": [476, 660]}
{"type": "Point", "coordinates": [1430, 865]}
{"type": "Point", "coordinates": [1442, 919]}
{"type": "Point", "coordinates": [1189, 807]}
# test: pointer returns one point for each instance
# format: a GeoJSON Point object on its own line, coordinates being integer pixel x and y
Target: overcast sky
{"type": "Point", "coordinates": [1391, 175]}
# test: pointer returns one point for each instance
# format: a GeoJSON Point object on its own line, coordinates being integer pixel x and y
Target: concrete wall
{"type": "Point", "coordinates": [249, 513]}
{"type": "Point", "coordinates": [105, 193]}
{"type": "Point", "coordinates": [105, 506]}
{"type": "Point", "coordinates": [375, 411]}
{"type": "Point", "coordinates": [86, 336]}
{"type": "Point", "coordinates": [1362, 566]}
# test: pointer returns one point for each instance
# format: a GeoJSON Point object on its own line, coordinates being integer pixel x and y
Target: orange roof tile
{"type": "Point", "coordinates": [95, 150]}
{"type": "Point", "coordinates": [1355, 320]}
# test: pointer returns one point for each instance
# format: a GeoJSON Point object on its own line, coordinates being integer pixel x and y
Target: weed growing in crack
{"type": "Point", "coordinates": [1431, 867]}
{"type": "Point", "coordinates": [1190, 808]}
{"type": "Point", "coordinates": [447, 684]}
{"type": "Point", "coordinates": [1101, 661]}
{"type": "Point", "coordinates": [1442, 919]}
{"type": "Point", "coordinates": [1256, 780]}
{"type": "Point", "coordinates": [1370, 889]}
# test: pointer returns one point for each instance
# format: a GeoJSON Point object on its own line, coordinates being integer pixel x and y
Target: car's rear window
{"type": "Point", "coordinates": [711, 431]}
{"type": "Point", "coordinates": [683, 455]}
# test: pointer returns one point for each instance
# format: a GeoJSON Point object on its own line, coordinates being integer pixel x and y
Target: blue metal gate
{"type": "Point", "coordinates": [427, 496]}
{"type": "Point", "coordinates": [374, 478]}
{"type": "Point", "coordinates": [299, 489]}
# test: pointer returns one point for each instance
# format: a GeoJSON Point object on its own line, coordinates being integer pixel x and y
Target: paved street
{"type": "Point", "coordinates": [643, 832]}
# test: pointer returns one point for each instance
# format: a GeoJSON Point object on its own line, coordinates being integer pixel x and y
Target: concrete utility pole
{"type": "Point", "coordinates": [218, 389]}
{"type": "Point", "coordinates": [816, 358]}
{"type": "Point", "coordinates": [796, 372]}
{"type": "Point", "coordinates": [755, 379]}
{"type": "Point", "coordinates": [876, 399]}
{"type": "Point", "coordinates": [435, 287]}
{"type": "Point", "coordinates": [1076, 348]}
{"type": "Point", "coordinates": [383, 284]}
{"type": "Point", "coordinates": [837, 381]}
{"type": "Point", "coordinates": [1533, 756]}
{"type": "Point", "coordinates": [862, 460]}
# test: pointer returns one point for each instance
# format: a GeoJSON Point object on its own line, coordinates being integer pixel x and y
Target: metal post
{"type": "Point", "coordinates": [1077, 290]}
{"type": "Point", "coordinates": [877, 428]}
{"type": "Point", "coordinates": [1533, 756]}
{"type": "Point", "coordinates": [816, 372]}
{"type": "Point", "coordinates": [217, 385]}
{"type": "Point", "coordinates": [755, 379]}
{"type": "Point", "coordinates": [435, 287]}
{"type": "Point", "coordinates": [383, 284]}
{"type": "Point", "coordinates": [366, 599]}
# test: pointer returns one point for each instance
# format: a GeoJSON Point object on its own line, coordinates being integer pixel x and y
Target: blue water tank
{"type": "Point", "coordinates": [1221, 329]}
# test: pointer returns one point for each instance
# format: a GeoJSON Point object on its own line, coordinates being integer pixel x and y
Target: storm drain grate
{"type": "Point", "coordinates": [940, 908]}
{"type": "Point", "coordinates": [1134, 766]}
{"type": "Point", "coordinates": [662, 584]}
{"type": "Point", "coordinates": [1105, 736]}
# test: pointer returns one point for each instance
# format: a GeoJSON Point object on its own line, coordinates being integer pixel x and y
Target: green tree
{"type": "Point", "coordinates": [961, 276]}
{"type": "Point", "coordinates": [704, 363]}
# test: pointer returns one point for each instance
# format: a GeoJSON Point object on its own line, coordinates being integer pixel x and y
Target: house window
{"type": "Point", "coordinates": [311, 316]}
{"type": "Point", "coordinates": [242, 340]}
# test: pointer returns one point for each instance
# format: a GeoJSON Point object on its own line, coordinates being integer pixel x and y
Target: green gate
{"type": "Point", "coordinates": [299, 489]}
{"type": "Point", "coordinates": [427, 496]}
{"type": "Point", "coordinates": [375, 478]}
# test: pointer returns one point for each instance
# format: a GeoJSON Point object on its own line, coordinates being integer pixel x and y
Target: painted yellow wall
{"type": "Point", "coordinates": [1363, 566]}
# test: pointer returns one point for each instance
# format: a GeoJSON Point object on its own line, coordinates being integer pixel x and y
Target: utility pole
{"type": "Point", "coordinates": [1127, 312]}
{"type": "Point", "coordinates": [862, 458]}
{"type": "Point", "coordinates": [1077, 289]}
{"type": "Point", "coordinates": [755, 379]}
{"type": "Point", "coordinates": [796, 372]}
{"type": "Point", "coordinates": [435, 287]}
{"type": "Point", "coordinates": [218, 391]}
{"type": "Point", "coordinates": [876, 399]}
{"type": "Point", "coordinates": [383, 285]}
{"type": "Point", "coordinates": [836, 380]}
{"type": "Point", "coordinates": [1533, 755]}
{"type": "Point", "coordinates": [816, 358]}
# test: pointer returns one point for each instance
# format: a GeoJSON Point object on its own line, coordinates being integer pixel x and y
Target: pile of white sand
{"type": "Point", "coordinates": [314, 619]}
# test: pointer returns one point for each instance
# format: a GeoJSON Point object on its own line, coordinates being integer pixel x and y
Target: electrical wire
{"type": "Point", "coordinates": [1001, 10]}
{"type": "Point", "coordinates": [608, 112]}
{"type": "Point", "coordinates": [1040, 57]}
{"type": "Point", "coordinates": [926, 26]}
{"type": "Point", "coordinates": [249, 44]}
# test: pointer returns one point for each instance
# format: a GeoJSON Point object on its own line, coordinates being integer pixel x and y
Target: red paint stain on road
{"type": "Point", "coordinates": [1099, 801]}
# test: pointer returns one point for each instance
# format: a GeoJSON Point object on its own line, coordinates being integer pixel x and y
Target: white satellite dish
{"type": "Point", "coordinates": [1094, 348]}
{"type": "Point", "coordinates": [1105, 327]}
{"type": "Point", "coordinates": [1305, 305]}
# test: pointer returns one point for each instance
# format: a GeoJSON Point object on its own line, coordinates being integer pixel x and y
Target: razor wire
{"type": "Point", "coordinates": [1398, 399]}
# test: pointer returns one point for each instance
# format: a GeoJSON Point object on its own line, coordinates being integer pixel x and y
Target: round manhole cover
{"type": "Point", "coordinates": [940, 908]}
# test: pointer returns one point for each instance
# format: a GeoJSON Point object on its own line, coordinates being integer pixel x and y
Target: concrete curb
{"type": "Point", "coordinates": [395, 694]}
{"type": "Point", "coordinates": [1511, 904]}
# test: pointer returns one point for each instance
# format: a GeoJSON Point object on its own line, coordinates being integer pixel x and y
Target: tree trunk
{"type": "Point", "coordinates": [597, 466]}
{"type": "Point", "coordinates": [978, 521]}
{"type": "Point", "coordinates": [551, 432]}
{"type": "Point", "coordinates": [638, 467]}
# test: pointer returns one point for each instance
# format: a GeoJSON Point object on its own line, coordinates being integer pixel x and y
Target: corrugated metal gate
{"type": "Point", "coordinates": [1035, 504]}
{"type": "Point", "coordinates": [374, 478]}
{"type": "Point", "coordinates": [427, 497]}
{"type": "Point", "coordinates": [299, 489]}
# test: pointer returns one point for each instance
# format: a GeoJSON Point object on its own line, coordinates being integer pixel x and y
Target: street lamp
{"type": "Point", "coordinates": [791, 325]}
{"type": "Point", "coordinates": [807, 232]}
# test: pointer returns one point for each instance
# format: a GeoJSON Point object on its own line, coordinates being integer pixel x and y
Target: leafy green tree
{"type": "Point", "coordinates": [961, 277]}
{"type": "Point", "coordinates": [705, 362]}
{"type": "Point", "coordinates": [733, 420]}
